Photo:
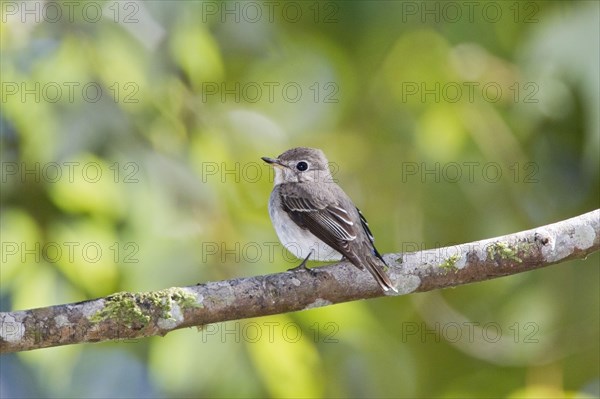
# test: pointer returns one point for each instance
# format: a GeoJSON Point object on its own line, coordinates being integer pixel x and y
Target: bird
{"type": "Point", "coordinates": [314, 218]}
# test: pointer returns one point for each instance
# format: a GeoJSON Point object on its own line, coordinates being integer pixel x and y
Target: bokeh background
{"type": "Point", "coordinates": [131, 140]}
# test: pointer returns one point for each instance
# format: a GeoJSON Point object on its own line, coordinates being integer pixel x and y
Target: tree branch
{"type": "Point", "coordinates": [134, 315]}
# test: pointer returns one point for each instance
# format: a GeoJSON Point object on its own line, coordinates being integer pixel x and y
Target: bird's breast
{"type": "Point", "coordinates": [299, 241]}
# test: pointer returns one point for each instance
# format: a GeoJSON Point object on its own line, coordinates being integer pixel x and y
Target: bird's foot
{"type": "Point", "coordinates": [302, 266]}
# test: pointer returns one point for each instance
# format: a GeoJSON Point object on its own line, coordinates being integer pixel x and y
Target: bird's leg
{"type": "Point", "coordinates": [302, 266]}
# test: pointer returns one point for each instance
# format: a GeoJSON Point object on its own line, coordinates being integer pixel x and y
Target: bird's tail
{"type": "Point", "coordinates": [377, 267]}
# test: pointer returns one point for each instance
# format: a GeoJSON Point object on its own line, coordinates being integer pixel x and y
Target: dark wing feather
{"type": "Point", "coordinates": [330, 223]}
{"type": "Point", "coordinates": [365, 225]}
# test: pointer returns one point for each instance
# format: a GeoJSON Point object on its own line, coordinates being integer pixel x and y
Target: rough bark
{"type": "Point", "coordinates": [134, 315]}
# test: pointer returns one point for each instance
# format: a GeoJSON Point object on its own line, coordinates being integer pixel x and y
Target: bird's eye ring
{"type": "Point", "coordinates": [302, 166]}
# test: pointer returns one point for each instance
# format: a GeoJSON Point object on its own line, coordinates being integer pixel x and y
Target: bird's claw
{"type": "Point", "coordinates": [302, 267]}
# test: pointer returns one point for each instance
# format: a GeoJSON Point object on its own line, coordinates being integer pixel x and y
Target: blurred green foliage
{"type": "Point", "coordinates": [131, 138]}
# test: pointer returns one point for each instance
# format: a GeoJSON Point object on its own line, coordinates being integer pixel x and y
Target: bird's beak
{"type": "Point", "coordinates": [272, 161]}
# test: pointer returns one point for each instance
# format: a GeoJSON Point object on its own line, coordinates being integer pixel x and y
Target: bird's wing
{"type": "Point", "coordinates": [365, 225]}
{"type": "Point", "coordinates": [329, 222]}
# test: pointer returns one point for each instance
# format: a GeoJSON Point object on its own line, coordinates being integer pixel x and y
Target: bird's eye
{"type": "Point", "coordinates": [301, 166]}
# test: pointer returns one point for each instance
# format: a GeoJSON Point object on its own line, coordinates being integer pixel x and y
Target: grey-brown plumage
{"type": "Point", "coordinates": [314, 218]}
